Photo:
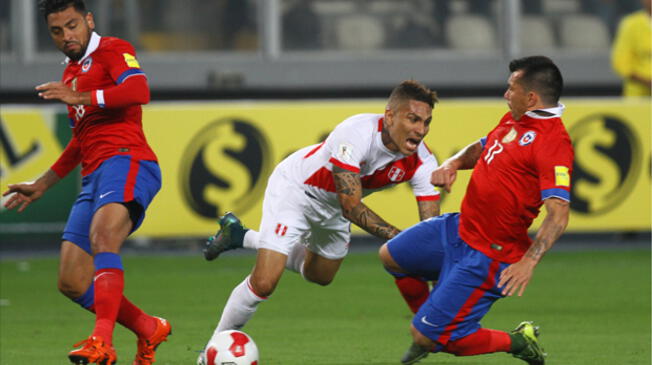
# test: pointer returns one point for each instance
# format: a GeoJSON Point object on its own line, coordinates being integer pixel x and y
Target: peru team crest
{"type": "Point", "coordinates": [395, 174]}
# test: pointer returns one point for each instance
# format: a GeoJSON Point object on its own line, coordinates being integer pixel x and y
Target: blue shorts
{"type": "Point", "coordinates": [467, 287]}
{"type": "Point", "coordinates": [120, 179]}
{"type": "Point", "coordinates": [419, 250]}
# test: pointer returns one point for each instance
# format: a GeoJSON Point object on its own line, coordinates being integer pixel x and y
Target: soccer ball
{"type": "Point", "coordinates": [230, 348]}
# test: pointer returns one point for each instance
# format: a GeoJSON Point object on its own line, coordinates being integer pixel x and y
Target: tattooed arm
{"type": "Point", "coordinates": [349, 192]}
{"type": "Point", "coordinates": [517, 276]}
{"type": "Point", "coordinates": [428, 209]}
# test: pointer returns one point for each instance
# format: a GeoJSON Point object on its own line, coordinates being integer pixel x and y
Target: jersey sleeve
{"type": "Point", "coordinates": [121, 62]}
{"type": "Point", "coordinates": [69, 159]}
{"type": "Point", "coordinates": [348, 147]}
{"type": "Point", "coordinates": [554, 163]}
{"type": "Point", "coordinates": [131, 86]}
{"type": "Point", "coordinates": [420, 181]}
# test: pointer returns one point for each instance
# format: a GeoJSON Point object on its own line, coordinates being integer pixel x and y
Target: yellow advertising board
{"type": "Point", "coordinates": [216, 157]}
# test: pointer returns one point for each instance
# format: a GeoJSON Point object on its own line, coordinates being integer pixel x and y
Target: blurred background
{"type": "Point", "coordinates": [239, 84]}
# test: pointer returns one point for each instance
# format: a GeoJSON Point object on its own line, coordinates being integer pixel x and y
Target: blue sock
{"type": "Point", "coordinates": [107, 260]}
{"type": "Point", "coordinates": [87, 299]}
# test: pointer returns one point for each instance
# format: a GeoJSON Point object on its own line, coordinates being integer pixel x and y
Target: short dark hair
{"type": "Point", "coordinates": [412, 90]}
{"type": "Point", "coordinates": [541, 75]}
{"type": "Point", "coordinates": [48, 7]}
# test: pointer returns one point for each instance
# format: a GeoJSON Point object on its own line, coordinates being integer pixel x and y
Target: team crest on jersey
{"type": "Point", "coordinates": [87, 64]}
{"type": "Point", "coordinates": [395, 174]}
{"type": "Point", "coordinates": [510, 136]}
{"type": "Point", "coordinates": [527, 138]}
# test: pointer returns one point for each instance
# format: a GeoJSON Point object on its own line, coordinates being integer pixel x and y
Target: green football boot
{"type": "Point", "coordinates": [532, 353]}
{"type": "Point", "coordinates": [414, 354]}
{"type": "Point", "coordinates": [229, 237]}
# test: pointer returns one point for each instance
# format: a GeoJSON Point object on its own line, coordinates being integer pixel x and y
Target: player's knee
{"type": "Point", "coordinates": [387, 259]}
{"type": "Point", "coordinates": [263, 287]}
{"type": "Point", "coordinates": [102, 241]}
{"type": "Point", "coordinates": [70, 289]}
{"type": "Point", "coordinates": [420, 339]}
{"type": "Point", "coordinates": [319, 280]}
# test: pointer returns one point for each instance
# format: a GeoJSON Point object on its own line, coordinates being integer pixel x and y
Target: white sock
{"type": "Point", "coordinates": [251, 239]}
{"type": "Point", "coordinates": [296, 258]}
{"type": "Point", "coordinates": [240, 307]}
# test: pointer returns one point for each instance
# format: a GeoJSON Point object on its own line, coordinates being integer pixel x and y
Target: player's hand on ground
{"type": "Point", "coordinates": [57, 90]}
{"type": "Point", "coordinates": [22, 195]}
{"type": "Point", "coordinates": [444, 176]}
{"type": "Point", "coordinates": [516, 277]}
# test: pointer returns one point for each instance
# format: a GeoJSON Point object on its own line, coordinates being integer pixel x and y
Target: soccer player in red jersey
{"type": "Point", "coordinates": [104, 88]}
{"type": "Point", "coordinates": [523, 163]}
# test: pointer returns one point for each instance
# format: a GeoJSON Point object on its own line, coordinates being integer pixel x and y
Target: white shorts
{"type": "Point", "coordinates": [290, 216]}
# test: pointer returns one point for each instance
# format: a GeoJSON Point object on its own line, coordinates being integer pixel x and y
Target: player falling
{"type": "Point", "coordinates": [314, 194]}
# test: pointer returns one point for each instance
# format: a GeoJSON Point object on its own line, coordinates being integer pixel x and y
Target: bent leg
{"type": "Point", "coordinates": [320, 270]}
{"type": "Point", "coordinates": [76, 274]}
{"type": "Point", "coordinates": [255, 288]}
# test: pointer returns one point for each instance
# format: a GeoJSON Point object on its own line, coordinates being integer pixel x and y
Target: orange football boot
{"type": "Point", "coordinates": [93, 351]}
{"type": "Point", "coordinates": [147, 346]}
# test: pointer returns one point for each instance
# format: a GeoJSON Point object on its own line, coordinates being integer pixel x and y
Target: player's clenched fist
{"type": "Point", "coordinates": [444, 176]}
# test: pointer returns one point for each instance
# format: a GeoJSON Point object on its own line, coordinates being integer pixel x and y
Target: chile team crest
{"type": "Point", "coordinates": [87, 64]}
{"type": "Point", "coordinates": [527, 138]}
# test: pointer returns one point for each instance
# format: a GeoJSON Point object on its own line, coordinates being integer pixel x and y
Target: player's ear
{"type": "Point", "coordinates": [90, 20]}
{"type": "Point", "coordinates": [532, 99]}
{"type": "Point", "coordinates": [389, 114]}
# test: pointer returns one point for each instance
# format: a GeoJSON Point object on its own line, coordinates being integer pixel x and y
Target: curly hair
{"type": "Point", "coordinates": [48, 7]}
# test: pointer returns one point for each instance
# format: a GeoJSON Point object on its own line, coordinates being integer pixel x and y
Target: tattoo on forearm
{"type": "Point", "coordinates": [428, 209]}
{"type": "Point", "coordinates": [548, 235]}
{"type": "Point", "coordinates": [348, 183]}
{"type": "Point", "coordinates": [371, 222]}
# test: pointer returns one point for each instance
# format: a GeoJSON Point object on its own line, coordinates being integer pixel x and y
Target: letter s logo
{"type": "Point", "coordinates": [225, 166]}
{"type": "Point", "coordinates": [607, 163]}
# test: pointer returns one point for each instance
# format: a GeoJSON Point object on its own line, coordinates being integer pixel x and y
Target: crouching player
{"type": "Point", "coordinates": [484, 253]}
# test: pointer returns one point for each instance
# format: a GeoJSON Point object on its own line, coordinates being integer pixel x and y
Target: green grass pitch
{"type": "Point", "coordinates": [593, 309]}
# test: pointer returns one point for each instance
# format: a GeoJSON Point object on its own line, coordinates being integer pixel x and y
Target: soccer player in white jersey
{"type": "Point", "coordinates": [314, 194]}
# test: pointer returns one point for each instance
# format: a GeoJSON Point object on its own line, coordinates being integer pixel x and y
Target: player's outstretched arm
{"type": "Point", "coordinates": [517, 276]}
{"type": "Point", "coordinates": [349, 192]}
{"type": "Point", "coordinates": [24, 194]}
{"type": "Point", "coordinates": [446, 174]}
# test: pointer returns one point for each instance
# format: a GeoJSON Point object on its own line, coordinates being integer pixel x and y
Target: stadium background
{"type": "Point", "coordinates": [238, 85]}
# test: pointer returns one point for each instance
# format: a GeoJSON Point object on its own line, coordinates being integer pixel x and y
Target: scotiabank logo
{"type": "Point", "coordinates": [607, 163]}
{"type": "Point", "coordinates": [225, 167]}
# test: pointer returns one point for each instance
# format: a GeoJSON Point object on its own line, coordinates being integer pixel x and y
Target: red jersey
{"type": "Point", "coordinates": [112, 125]}
{"type": "Point", "coordinates": [523, 163]}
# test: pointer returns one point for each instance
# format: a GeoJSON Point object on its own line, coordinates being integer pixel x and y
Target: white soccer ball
{"type": "Point", "coordinates": [230, 348]}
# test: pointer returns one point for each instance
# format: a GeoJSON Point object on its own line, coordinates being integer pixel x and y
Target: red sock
{"type": "Point", "coordinates": [414, 291]}
{"type": "Point", "coordinates": [484, 341]}
{"type": "Point", "coordinates": [109, 284]}
{"type": "Point", "coordinates": [132, 317]}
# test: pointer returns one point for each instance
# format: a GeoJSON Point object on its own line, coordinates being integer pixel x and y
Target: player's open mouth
{"type": "Point", "coordinates": [412, 143]}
